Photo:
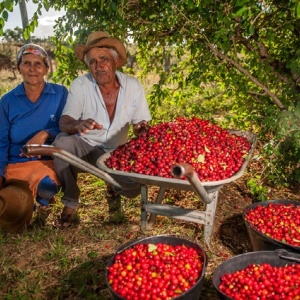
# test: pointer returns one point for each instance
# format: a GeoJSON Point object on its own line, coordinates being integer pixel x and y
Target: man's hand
{"type": "Point", "coordinates": [69, 125]}
{"type": "Point", "coordinates": [140, 127]}
{"type": "Point", "coordinates": [84, 126]}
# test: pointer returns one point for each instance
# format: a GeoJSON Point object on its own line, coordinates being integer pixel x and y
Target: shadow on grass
{"type": "Point", "coordinates": [233, 234]}
{"type": "Point", "coordinates": [86, 281]}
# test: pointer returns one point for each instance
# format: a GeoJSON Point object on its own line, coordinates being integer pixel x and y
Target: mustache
{"type": "Point", "coordinates": [100, 72]}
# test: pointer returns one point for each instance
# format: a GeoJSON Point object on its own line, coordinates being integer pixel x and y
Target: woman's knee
{"type": "Point", "coordinates": [47, 188]}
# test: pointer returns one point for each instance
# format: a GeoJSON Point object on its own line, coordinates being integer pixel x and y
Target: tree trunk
{"type": "Point", "coordinates": [24, 16]}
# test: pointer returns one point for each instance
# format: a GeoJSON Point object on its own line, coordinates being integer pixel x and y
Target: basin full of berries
{"type": "Point", "coordinates": [259, 275]}
{"type": "Point", "coordinates": [274, 224]}
{"type": "Point", "coordinates": [163, 266]}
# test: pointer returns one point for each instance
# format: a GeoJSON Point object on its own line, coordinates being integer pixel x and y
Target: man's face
{"type": "Point", "coordinates": [102, 65]}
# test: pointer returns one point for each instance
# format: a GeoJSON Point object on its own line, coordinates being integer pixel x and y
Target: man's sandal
{"type": "Point", "coordinates": [66, 218]}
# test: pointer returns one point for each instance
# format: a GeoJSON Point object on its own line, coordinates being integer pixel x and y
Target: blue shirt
{"type": "Point", "coordinates": [21, 119]}
{"type": "Point", "coordinates": [85, 101]}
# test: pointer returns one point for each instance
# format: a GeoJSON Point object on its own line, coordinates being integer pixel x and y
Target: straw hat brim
{"type": "Point", "coordinates": [16, 206]}
{"type": "Point", "coordinates": [117, 45]}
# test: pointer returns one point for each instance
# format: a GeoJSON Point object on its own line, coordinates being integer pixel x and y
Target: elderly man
{"type": "Point", "coordinates": [101, 106]}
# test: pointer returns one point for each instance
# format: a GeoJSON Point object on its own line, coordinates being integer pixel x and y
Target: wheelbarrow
{"type": "Point", "coordinates": [207, 191]}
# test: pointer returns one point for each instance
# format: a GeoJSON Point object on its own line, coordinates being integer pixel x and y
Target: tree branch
{"type": "Point", "coordinates": [245, 72]}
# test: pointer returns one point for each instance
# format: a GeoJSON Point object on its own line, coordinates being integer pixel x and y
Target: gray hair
{"type": "Point", "coordinates": [114, 53]}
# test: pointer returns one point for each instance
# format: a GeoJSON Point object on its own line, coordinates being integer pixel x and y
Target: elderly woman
{"type": "Point", "coordinates": [29, 114]}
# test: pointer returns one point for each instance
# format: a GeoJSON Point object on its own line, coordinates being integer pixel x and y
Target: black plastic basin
{"type": "Point", "coordinates": [262, 242]}
{"type": "Point", "coordinates": [279, 258]}
{"type": "Point", "coordinates": [194, 292]}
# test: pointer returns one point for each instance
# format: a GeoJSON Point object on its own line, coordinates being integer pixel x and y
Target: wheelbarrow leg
{"type": "Point", "coordinates": [159, 199]}
{"type": "Point", "coordinates": [144, 197]}
{"type": "Point", "coordinates": [210, 217]}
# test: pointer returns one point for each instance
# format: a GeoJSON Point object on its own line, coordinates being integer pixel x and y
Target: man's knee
{"type": "Point", "coordinates": [65, 141]}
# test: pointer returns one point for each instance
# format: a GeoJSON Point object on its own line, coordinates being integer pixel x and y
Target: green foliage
{"type": "Point", "coordinates": [4, 90]}
{"type": "Point", "coordinates": [65, 57]}
{"type": "Point", "coordinates": [283, 154]}
{"type": "Point", "coordinates": [15, 35]}
{"type": "Point", "coordinates": [257, 189]}
{"type": "Point", "coordinates": [5, 8]}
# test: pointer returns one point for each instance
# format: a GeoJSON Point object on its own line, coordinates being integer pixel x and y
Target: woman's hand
{"type": "Point", "coordinates": [39, 139]}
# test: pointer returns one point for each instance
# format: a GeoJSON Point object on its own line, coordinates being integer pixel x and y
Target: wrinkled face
{"type": "Point", "coordinates": [33, 69]}
{"type": "Point", "coordinates": [102, 64]}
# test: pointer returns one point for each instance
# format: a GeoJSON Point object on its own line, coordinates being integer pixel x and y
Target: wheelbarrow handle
{"type": "Point", "coordinates": [34, 149]}
{"type": "Point", "coordinates": [186, 170]}
{"type": "Point", "coordinates": [284, 254]}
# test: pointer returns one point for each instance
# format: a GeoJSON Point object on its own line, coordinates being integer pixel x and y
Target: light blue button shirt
{"type": "Point", "coordinates": [85, 101]}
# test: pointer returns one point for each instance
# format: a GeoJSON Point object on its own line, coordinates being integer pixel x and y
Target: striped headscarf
{"type": "Point", "coordinates": [33, 49]}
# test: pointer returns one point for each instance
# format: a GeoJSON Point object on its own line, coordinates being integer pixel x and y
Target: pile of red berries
{"type": "Point", "coordinates": [263, 281]}
{"type": "Point", "coordinates": [213, 152]}
{"type": "Point", "coordinates": [160, 270]}
{"type": "Point", "coordinates": [277, 221]}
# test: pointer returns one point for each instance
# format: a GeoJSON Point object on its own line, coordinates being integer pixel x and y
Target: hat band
{"type": "Point", "coordinates": [96, 41]}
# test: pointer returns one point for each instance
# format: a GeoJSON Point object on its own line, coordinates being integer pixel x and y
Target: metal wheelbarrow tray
{"type": "Point", "coordinates": [207, 191]}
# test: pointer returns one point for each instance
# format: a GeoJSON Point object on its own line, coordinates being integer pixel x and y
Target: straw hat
{"type": "Point", "coordinates": [16, 205]}
{"type": "Point", "coordinates": [102, 39]}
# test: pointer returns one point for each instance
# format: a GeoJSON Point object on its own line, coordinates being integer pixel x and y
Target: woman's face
{"type": "Point", "coordinates": [33, 69]}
